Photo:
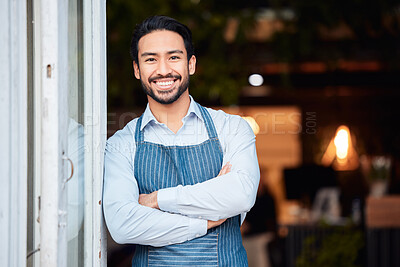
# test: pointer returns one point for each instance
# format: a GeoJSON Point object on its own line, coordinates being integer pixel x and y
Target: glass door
{"type": "Point", "coordinates": [76, 136]}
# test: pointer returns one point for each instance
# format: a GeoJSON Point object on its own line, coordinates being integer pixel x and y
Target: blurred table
{"type": "Point", "coordinates": [383, 231]}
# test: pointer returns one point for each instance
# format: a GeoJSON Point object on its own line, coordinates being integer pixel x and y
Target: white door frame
{"type": "Point", "coordinates": [95, 83]}
{"type": "Point", "coordinates": [54, 118]}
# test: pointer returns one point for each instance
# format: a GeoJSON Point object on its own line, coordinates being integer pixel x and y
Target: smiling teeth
{"type": "Point", "coordinates": [165, 83]}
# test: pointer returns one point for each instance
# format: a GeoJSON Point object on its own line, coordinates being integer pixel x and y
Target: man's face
{"type": "Point", "coordinates": [163, 67]}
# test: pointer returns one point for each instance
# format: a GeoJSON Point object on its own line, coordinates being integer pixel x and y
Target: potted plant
{"type": "Point", "coordinates": [377, 169]}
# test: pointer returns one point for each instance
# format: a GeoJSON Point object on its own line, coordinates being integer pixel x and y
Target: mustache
{"type": "Point", "coordinates": [152, 79]}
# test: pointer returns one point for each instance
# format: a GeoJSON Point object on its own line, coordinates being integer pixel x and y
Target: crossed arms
{"type": "Point", "coordinates": [150, 200]}
{"type": "Point", "coordinates": [177, 214]}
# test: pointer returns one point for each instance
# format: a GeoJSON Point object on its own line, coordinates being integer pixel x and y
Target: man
{"type": "Point", "coordinates": [179, 179]}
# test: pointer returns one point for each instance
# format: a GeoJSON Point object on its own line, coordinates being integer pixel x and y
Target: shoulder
{"type": "Point", "coordinates": [220, 115]}
{"type": "Point", "coordinates": [229, 124]}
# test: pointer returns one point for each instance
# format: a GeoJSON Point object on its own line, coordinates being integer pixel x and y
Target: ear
{"type": "Point", "coordinates": [136, 70]}
{"type": "Point", "coordinates": [192, 65]}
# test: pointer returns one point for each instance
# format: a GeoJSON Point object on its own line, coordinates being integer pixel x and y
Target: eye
{"type": "Point", "coordinates": [150, 59]}
{"type": "Point", "coordinates": [174, 57]}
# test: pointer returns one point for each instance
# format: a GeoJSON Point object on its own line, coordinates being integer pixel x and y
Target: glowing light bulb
{"type": "Point", "coordinates": [342, 143]}
{"type": "Point", "coordinates": [256, 80]}
{"type": "Point", "coordinates": [340, 152]}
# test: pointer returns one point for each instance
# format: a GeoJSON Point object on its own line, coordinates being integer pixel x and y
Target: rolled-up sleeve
{"type": "Point", "coordinates": [126, 219]}
{"type": "Point", "coordinates": [223, 196]}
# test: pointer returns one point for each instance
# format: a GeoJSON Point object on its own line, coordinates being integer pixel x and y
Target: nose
{"type": "Point", "coordinates": [164, 68]}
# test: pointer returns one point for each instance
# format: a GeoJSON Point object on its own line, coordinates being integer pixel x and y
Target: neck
{"type": "Point", "coordinates": [171, 114]}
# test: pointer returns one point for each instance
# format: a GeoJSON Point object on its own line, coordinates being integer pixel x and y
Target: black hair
{"type": "Point", "coordinates": [156, 23]}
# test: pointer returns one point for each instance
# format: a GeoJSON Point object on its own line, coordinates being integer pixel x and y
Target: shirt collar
{"type": "Point", "coordinates": [149, 117]}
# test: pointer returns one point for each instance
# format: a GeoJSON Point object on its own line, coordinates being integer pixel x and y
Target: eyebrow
{"type": "Point", "coordinates": [154, 54]}
{"type": "Point", "coordinates": [175, 51]}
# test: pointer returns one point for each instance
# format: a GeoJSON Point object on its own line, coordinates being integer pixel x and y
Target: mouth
{"type": "Point", "coordinates": [164, 83]}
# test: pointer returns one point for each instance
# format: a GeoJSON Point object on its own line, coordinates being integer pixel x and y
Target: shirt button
{"type": "Point", "coordinates": [197, 235]}
{"type": "Point", "coordinates": [170, 243]}
{"type": "Point", "coordinates": [200, 217]}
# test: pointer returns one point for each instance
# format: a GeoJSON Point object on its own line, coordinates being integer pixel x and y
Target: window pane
{"type": "Point", "coordinates": [75, 186]}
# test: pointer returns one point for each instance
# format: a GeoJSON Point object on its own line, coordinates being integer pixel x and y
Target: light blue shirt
{"type": "Point", "coordinates": [184, 210]}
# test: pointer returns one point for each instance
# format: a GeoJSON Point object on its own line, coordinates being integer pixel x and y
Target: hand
{"type": "Point", "coordinates": [149, 200]}
{"type": "Point", "coordinates": [212, 224]}
{"type": "Point", "coordinates": [225, 169]}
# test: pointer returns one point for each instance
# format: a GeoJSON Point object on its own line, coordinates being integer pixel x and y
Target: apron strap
{"type": "Point", "coordinates": [138, 133]}
{"type": "Point", "coordinates": [212, 132]}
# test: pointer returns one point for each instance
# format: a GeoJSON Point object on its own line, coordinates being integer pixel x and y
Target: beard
{"type": "Point", "coordinates": [166, 97]}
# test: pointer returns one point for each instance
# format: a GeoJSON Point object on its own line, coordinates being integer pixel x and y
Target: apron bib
{"type": "Point", "coordinates": [158, 166]}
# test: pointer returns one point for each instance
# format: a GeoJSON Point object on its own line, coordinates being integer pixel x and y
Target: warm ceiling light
{"type": "Point", "coordinates": [341, 142]}
{"type": "Point", "coordinates": [340, 152]}
{"type": "Point", "coordinates": [256, 80]}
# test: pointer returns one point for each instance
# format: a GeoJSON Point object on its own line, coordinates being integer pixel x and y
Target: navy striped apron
{"type": "Point", "coordinates": [157, 167]}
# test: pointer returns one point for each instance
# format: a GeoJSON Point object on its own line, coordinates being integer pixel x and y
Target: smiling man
{"type": "Point", "coordinates": [178, 180]}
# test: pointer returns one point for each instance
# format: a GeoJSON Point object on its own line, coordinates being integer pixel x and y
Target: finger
{"type": "Point", "coordinates": [212, 224]}
{"type": "Point", "coordinates": [219, 222]}
{"type": "Point", "coordinates": [223, 170]}
{"type": "Point", "coordinates": [229, 167]}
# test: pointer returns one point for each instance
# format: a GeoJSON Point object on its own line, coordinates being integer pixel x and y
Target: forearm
{"type": "Point", "coordinates": [222, 197]}
{"type": "Point", "coordinates": [136, 224]}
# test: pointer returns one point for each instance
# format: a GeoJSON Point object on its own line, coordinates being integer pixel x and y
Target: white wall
{"type": "Point", "coordinates": [13, 133]}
